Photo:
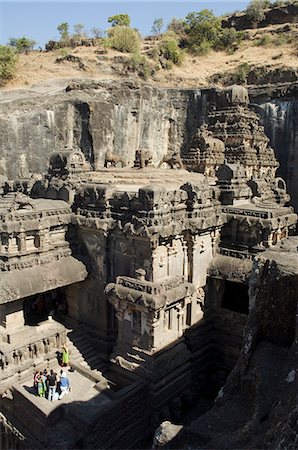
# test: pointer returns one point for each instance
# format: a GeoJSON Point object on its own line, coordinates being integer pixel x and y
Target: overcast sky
{"type": "Point", "coordinates": [38, 20]}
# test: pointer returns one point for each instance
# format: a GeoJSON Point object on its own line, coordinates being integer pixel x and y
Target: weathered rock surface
{"type": "Point", "coordinates": [165, 433]}
{"type": "Point", "coordinates": [257, 408]}
{"type": "Point", "coordinates": [98, 117]}
{"type": "Point", "coordinates": [279, 14]}
{"type": "Point", "coordinates": [114, 119]}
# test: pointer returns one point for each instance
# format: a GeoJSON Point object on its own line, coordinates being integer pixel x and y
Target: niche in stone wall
{"type": "Point", "coordinates": [235, 297]}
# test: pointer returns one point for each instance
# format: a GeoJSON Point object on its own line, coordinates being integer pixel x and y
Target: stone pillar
{"type": "Point", "coordinates": [22, 241]}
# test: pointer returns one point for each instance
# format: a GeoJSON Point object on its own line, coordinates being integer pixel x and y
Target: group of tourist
{"type": "Point", "coordinates": [47, 384]}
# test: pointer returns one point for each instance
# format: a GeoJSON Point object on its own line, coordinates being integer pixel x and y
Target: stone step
{"type": "Point", "coordinates": [82, 351]}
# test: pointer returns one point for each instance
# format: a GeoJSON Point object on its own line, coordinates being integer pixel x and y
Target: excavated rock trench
{"type": "Point", "coordinates": [257, 407]}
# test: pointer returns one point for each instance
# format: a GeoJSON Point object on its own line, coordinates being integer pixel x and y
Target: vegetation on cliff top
{"type": "Point", "coordinates": [198, 34]}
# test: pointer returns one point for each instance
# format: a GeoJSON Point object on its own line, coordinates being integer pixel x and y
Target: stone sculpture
{"type": "Point", "coordinates": [143, 158]}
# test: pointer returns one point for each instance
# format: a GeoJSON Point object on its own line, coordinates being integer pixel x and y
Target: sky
{"type": "Point", "coordinates": [38, 20]}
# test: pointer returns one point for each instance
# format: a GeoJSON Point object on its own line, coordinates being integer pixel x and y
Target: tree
{"type": "Point", "coordinates": [119, 20]}
{"type": "Point", "coordinates": [63, 29]}
{"type": "Point", "coordinates": [255, 10]}
{"type": "Point", "coordinates": [8, 61]}
{"type": "Point", "coordinates": [22, 45]}
{"type": "Point", "coordinates": [79, 30]}
{"type": "Point", "coordinates": [203, 25]}
{"type": "Point", "coordinates": [202, 30]}
{"type": "Point", "coordinates": [97, 33]}
{"type": "Point", "coordinates": [157, 26]}
{"type": "Point", "coordinates": [125, 39]}
{"type": "Point", "coordinates": [178, 26]}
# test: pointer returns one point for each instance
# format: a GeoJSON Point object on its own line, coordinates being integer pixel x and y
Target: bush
{"type": "Point", "coordinates": [169, 50]}
{"type": "Point", "coordinates": [282, 39]}
{"type": "Point", "coordinates": [202, 49]}
{"type": "Point", "coordinates": [241, 73]}
{"type": "Point", "coordinates": [255, 10]}
{"type": "Point", "coordinates": [264, 40]}
{"type": "Point", "coordinates": [22, 45]}
{"type": "Point", "coordinates": [8, 61]}
{"type": "Point", "coordinates": [201, 27]}
{"type": "Point", "coordinates": [124, 39]}
{"type": "Point", "coordinates": [139, 63]}
{"type": "Point", "coordinates": [178, 26]}
{"type": "Point", "coordinates": [119, 20]}
{"type": "Point", "coordinates": [229, 38]}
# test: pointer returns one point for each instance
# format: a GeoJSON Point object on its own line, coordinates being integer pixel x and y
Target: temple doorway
{"type": "Point", "coordinates": [39, 307]}
{"type": "Point", "coordinates": [235, 297]}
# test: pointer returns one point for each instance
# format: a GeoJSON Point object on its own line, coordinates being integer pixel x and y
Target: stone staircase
{"type": "Point", "coordinates": [82, 351]}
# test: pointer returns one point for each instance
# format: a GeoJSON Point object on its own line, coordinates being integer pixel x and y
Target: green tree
{"type": "Point", "coordinates": [157, 26]}
{"type": "Point", "coordinates": [202, 31]}
{"type": "Point", "coordinates": [22, 45]}
{"type": "Point", "coordinates": [169, 49]}
{"type": "Point", "coordinates": [119, 20]}
{"type": "Point", "coordinates": [8, 61]}
{"type": "Point", "coordinates": [63, 29]}
{"type": "Point", "coordinates": [202, 26]}
{"type": "Point", "coordinates": [125, 39]}
{"type": "Point", "coordinates": [178, 26]}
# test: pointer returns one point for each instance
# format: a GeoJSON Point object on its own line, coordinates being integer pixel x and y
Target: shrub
{"type": "Point", "coordinates": [169, 50]}
{"type": "Point", "coordinates": [241, 73]}
{"type": "Point", "coordinates": [255, 10]}
{"type": "Point", "coordinates": [8, 61]}
{"type": "Point", "coordinates": [202, 26]}
{"type": "Point", "coordinates": [22, 45]}
{"type": "Point", "coordinates": [119, 20]}
{"type": "Point", "coordinates": [202, 49]}
{"type": "Point", "coordinates": [229, 38]}
{"type": "Point", "coordinates": [139, 63]}
{"type": "Point", "coordinates": [264, 40]}
{"type": "Point", "coordinates": [125, 39]}
{"type": "Point", "coordinates": [178, 26]}
{"type": "Point", "coordinates": [154, 52]}
{"type": "Point", "coordinates": [282, 39]}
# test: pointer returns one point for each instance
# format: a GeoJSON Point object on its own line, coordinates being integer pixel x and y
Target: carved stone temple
{"type": "Point", "coordinates": [141, 264]}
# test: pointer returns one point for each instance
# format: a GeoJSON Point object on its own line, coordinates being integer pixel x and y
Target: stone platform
{"type": "Point", "coordinates": [82, 390]}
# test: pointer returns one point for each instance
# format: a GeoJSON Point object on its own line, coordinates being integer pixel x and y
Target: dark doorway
{"type": "Point", "coordinates": [235, 297]}
{"type": "Point", "coordinates": [38, 308]}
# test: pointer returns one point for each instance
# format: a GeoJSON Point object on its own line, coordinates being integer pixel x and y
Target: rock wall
{"type": "Point", "coordinates": [120, 117]}
{"type": "Point", "coordinates": [281, 126]}
{"type": "Point", "coordinates": [104, 117]}
{"type": "Point", "coordinates": [276, 15]}
{"type": "Point", "coordinates": [257, 408]}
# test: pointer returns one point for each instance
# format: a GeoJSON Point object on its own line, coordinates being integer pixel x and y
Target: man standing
{"type": "Point", "coordinates": [64, 385]}
{"type": "Point", "coordinates": [52, 381]}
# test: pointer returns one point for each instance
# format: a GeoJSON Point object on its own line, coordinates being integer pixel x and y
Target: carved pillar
{"type": "Point", "coordinates": [22, 241]}
{"type": "Point", "coordinates": [185, 260]}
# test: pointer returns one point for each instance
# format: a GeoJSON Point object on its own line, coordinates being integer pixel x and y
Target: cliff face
{"type": "Point", "coordinates": [117, 118]}
{"type": "Point", "coordinates": [275, 15]}
{"type": "Point", "coordinates": [120, 117]}
{"type": "Point", "coordinates": [257, 408]}
{"type": "Point", "coordinates": [281, 126]}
